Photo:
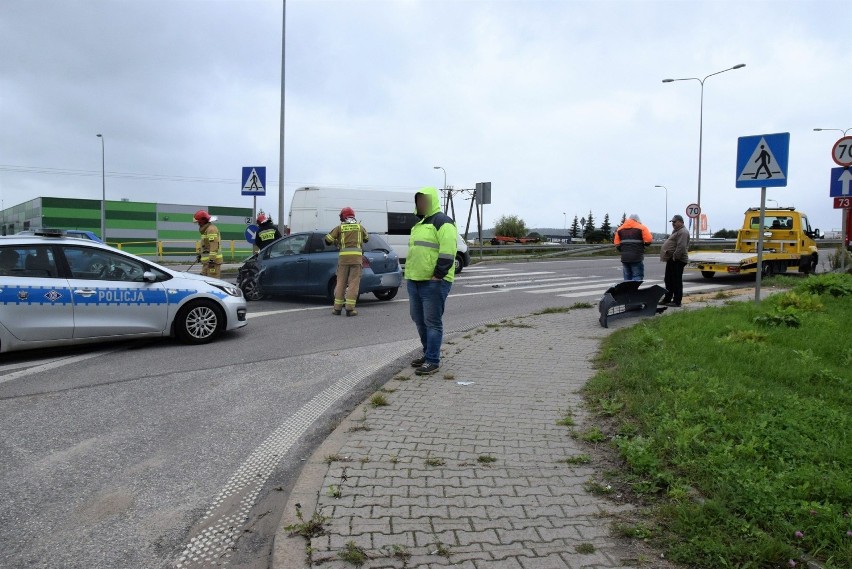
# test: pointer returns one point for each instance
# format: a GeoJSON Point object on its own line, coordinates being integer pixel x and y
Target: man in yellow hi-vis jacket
{"type": "Point", "coordinates": [348, 236]}
{"type": "Point", "coordinates": [430, 271]}
{"type": "Point", "coordinates": [211, 254]}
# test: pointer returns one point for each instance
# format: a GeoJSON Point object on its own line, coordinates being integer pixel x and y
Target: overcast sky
{"type": "Point", "coordinates": [559, 104]}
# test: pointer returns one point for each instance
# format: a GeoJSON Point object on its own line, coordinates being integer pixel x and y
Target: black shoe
{"type": "Point", "coordinates": [352, 312]}
{"type": "Point", "coordinates": [418, 362]}
{"type": "Point", "coordinates": [665, 301]}
{"type": "Point", "coordinates": [427, 369]}
{"type": "Point", "coordinates": [673, 304]}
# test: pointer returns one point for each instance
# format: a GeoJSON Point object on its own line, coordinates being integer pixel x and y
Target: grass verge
{"type": "Point", "coordinates": [740, 427]}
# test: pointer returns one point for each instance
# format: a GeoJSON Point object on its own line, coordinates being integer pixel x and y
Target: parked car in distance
{"type": "Point", "coordinates": [303, 265]}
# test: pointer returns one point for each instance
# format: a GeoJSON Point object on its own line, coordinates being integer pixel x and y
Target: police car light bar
{"type": "Point", "coordinates": [49, 232]}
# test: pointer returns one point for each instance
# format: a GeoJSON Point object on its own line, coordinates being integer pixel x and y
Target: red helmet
{"type": "Point", "coordinates": [346, 213]}
{"type": "Point", "coordinates": [262, 218]}
{"type": "Point", "coordinates": [201, 216]}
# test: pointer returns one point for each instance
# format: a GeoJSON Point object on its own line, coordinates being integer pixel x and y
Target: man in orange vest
{"type": "Point", "coordinates": [348, 236]}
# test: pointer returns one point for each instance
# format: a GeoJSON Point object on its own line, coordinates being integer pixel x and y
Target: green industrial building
{"type": "Point", "coordinates": [143, 228]}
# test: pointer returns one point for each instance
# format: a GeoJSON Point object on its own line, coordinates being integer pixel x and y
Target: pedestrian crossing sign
{"type": "Point", "coordinates": [762, 160]}
{"type": "Point", "coordinates": [254, 181]}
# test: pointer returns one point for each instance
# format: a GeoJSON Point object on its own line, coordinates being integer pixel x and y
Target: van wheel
{"type": "Point", "coordinates": [708, 274]}
{"type": "Point", "coordinates": [199, 322]}
{"type": "Point", "coordinates": [459, 263]}
{"type": "Point", "coordinates": [386, 294]}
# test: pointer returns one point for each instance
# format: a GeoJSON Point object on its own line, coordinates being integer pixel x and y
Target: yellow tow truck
{"type": "Point", "coordinates": [787, 242]}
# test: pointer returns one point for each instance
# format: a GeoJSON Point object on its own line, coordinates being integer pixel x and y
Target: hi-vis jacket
{"type": "Point", "coordinates": [631, 239]}
{"type": "Point", "coordinates": [348, 237]}
{"type": "Point", "coordinates": [432, 245]}
{"type": "Point", "coordinates": [210, 244]}
{"type": "Point", "coordinates": [266, 234]}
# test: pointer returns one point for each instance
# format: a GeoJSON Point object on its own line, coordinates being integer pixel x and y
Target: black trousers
{"type": "Point", "coordinates": [674, 280]}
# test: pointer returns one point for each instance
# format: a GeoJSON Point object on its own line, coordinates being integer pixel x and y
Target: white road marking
{"type": "Point", "coordinates": [512, 283]}
{"type": "Point", "coordinates": [463, 278]}
{"type": "Point", "coordinates": [602, 285]}
{"type": "Point", "coordinates": [60, 362]}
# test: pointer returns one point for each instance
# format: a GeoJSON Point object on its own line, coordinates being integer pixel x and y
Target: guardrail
{"type": "Point", "coordinates": [232, 250]}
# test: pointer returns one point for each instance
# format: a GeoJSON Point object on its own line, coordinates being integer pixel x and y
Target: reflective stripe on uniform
{"type": "Point", "coordinates": [427, 244]}
{"type": "Point", "coordinates": [631, 241]}
{"type": "Point", "coordinates": [445, 256]}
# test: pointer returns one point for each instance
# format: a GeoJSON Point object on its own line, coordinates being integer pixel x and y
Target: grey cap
{"type": "Point", "coordinates": [677, 218]}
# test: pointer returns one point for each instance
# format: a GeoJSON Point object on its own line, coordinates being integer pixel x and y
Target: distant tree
{"type": "Point", "coordinates": [575, 228]}
{"type": "Point", "coordinates": [726, 233]}
{"type": "Point", "coordinates": [606, 227]}
{"type": "Point", "coordinates": [590, 224]}
{"type": "Point", "coordinates": [596, 236]}
{"type": "Point", "coordinates": [623, 219]}
{"type": "Point", "coordinates": [510, 226]}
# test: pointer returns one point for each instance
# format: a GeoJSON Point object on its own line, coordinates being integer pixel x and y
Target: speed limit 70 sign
{"type": "Point", "coordinates": [842, 151]}
{"type": "Point", "coordinates": [693, 210]}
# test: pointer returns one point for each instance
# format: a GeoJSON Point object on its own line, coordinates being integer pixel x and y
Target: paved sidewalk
{"type": "Point", "coordinates": [409, 485]}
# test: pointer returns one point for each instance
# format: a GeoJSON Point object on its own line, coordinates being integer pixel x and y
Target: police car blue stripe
{"type": "Point", "coordinates": [30, 295]}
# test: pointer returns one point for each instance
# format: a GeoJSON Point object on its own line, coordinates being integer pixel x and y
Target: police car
{"type": "Point", "coordinates": [59, 290]}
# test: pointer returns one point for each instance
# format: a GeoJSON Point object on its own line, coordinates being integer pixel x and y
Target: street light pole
{"type": "Point", "coordinates": [701, 125]}
{"type": "Point", "coordinates": [103, 189]}
{"type": "Point", "coordinates": [837, 129]}
{"type": "Point", "coordinates": [564, 223]}
{"type": "Point", "coordinates": [445, 174]}
{"type": "Point", "coordinates": [666, 225]}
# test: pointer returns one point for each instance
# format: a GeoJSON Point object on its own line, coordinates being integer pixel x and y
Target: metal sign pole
{"type": "Point", "coordinates": [760, 246]}
{"type": "Point", "coordinates": [843, 229]}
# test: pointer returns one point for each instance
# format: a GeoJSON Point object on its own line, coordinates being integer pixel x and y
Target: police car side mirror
{"type": "Point", "coordinates": [149, 277]}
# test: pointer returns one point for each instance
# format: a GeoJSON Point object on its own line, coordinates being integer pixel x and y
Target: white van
{"type": "Point", "coordinates": [388, 213]}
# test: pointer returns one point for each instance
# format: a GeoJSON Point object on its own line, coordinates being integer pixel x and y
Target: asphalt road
{"type": "Point", "coordinates": [154, 454]}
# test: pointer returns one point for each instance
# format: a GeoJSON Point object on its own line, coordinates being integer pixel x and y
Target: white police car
{"type": "Point", "coordinates": [57, 290]}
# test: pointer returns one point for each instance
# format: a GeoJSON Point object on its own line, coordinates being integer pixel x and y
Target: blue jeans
{"type": "Point", "coordinates": [426, 303]}
{"type": "Point", "coordinates": [634, 271]}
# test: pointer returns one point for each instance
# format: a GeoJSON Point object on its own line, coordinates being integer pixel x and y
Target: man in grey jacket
{"type": "Point", "coordinates": [674, 254]}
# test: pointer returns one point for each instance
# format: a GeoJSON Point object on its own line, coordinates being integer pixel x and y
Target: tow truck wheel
{"type": "Point", "coordinates": [708, 274]}
{"type": "Point", "coordinates": [768, 270]}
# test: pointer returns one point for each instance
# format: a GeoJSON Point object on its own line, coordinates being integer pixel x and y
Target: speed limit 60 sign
{"type": "Point", "coordinates": [693, 210]}
{"type": "Point", "coordinates": [842, 151]}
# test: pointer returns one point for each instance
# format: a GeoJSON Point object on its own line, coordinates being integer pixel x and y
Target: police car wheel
{"type": "Point", "coordinates": [199, 322]}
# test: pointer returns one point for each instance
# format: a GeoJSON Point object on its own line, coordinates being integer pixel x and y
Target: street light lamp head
{"type": "Point", "coordinates": [738, 66]}
{"type": "Point", "coordinates": [668, 80]}
{"type": "Point", "coordinates": [433, 167]}
{"type": "Point", "coordinates": [99, 135]}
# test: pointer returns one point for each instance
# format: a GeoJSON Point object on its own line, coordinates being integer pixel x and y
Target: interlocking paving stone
{"type": "Point", "coordinates": [526, 510]}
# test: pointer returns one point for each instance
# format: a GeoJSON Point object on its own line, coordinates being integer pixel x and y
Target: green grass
{"type": "Point", "coordinates": [748, 406]}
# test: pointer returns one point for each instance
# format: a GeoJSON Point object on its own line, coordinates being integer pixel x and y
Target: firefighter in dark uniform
{"type": "Point", "coordinates": [348, 237]}
{"type": "Point", "coordinates": [267, 232]}
{"type": "Point", "coordinates": [210, 255]}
